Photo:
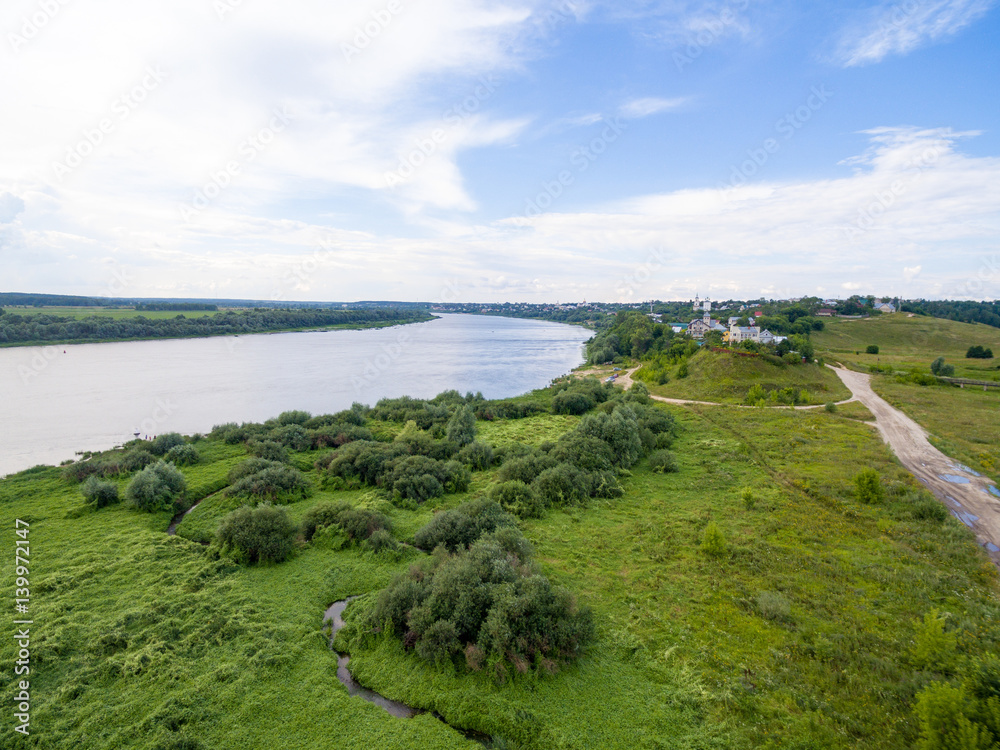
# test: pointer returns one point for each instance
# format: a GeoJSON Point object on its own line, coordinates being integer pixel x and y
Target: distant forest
{"type": "Point", "coordinates": [39, 327]}
{"type": "Point", "coordinates": [965, 312]}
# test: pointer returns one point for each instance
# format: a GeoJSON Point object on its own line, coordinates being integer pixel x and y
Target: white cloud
{"type": "Point", "coordinates": [901, 27]}
{"type": "Point", "coordinates": [644, 107]}
{"type": "Point", "coordinates": [909, 274]}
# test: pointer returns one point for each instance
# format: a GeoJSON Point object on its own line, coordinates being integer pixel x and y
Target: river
{"type": "Point", "coordinates": [57, 400]}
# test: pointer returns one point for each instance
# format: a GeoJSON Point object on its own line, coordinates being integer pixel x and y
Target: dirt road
{"type": "Point", "coordinates": [972, 498]}
{"type": "Point", "coordinates": [968, 495]}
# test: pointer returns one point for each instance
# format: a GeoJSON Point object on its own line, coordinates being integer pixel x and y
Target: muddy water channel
{"type": "Point", "coordinates": [335, 616]}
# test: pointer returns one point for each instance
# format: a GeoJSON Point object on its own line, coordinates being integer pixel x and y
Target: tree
{"type": "Point", "coordinates": [868, 486]}
{"type": "Point", "coordinates": [871, 349]}
{"type": "Point", "coordinates": [713, 543]}
{"type": "Point", "coordinates": [979, 352]}
{"type": "Point", "coordinates": [99, 493]}
{"type": "Point", "coordinates": [462, 426]}
{"type": "Point", "coordinates": [939, 368]}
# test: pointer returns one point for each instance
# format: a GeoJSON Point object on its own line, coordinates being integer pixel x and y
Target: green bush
{"type": "Point", "coordinates": [518, 498]}
{"type": "Point", "coordinates": [276, 483]}
{"type": "Point", "coordinates": [462, 526]}
{"type": "Point", "coordinates": [269, 450]}
{"type": "Point", "coordinates": [163, 443]}
{"type": "Point", "coordinates": [939, 368]}
{"type": "Point", "coordinates": [462, 426]}
{"type": "Point", "coordinates": [183, 455]}
{"type": "Point", "coordinates": [477, 456]}
{"type": "Point", "coordinates": [747, 496]}
{"type": "Point", "coordinates": [979, 352]}
{"type": "Point", "coordinates": [830, 407]}
{"type": "Point", "coordinates": [663, 462]}
{"type": "Point", "coordinates": [294, 417]}
{"type": "Point", "coordinates": [525, 467]}
{"type": "Point", "coordinates": [713, 543]}
{"type": "Point", "coordinates": [382, 540]}
{"type": "Point", "coordinates": [929, 509]}
{"type": "Point", "coordinates": [159, 486]}
{"type": "Point", "coordinates": [322, 514]}
{"type": "Point", "coordinates": [256, 535]}
{"type": "Point", "coordinates": [572, 402]}
{"type": "Point", "coordinates": [99, 493]}
{"type": "Point", "coordinates": [291, 436]}
{"type": "Point", "coordinates": [420, 478]}
{"type": "Point", "coordinates": [620, 430]}
{"type": "Point", "coordinates": [871, 349]}
{"type": "Point", "coordinates": [562, 485]}
{"type": "Point", "coordinates": [868, 487]}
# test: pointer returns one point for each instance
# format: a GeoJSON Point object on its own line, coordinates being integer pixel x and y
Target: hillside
{"type": "Point", "coordinates": [799, 628]}
{"type": "Point", "coordinates": [910, 342]}
{"type": "Point", "coordinates": [727, 378]}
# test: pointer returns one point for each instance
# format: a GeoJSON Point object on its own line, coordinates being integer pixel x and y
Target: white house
{"type": "Point", "coordinates": [886, 307]}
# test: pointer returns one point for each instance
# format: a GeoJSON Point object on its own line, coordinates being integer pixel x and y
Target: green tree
{"type": "Point", "coordinates": [939, 368]}
{"type": "Point", "coordinates": [159, 486]}
{"type": "Point", "coordinates": [99, 493]}
{"type": "Point", "coordinates": [713, 543]}
{"type": "Point", "coordinates": [256, 535]}
{"type": "Point", "coordinates": [868, 486]}
{"type": "Point", "coordinates": [871, 349]}
{"type": "Point", "coordinates": [462, 426]}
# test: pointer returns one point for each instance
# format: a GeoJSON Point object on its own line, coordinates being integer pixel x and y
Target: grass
{"type": "Point", "coordinates": [909, 343]}
{"type": "Point", "coordinates": [142, 641]}
{"type": "Point", "coordinates": [726, 378]}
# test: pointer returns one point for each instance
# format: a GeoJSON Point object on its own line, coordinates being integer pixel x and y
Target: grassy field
{"type": "Point", "coordinates": [799, 636]}
{"type": "Point", "coordinates": [906, 343]}
{"type": "Point", "coordinates": [726, 378]}
{"type": "Point", "coordinates": [117, 313]}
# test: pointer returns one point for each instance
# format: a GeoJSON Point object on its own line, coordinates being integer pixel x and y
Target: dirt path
{"type": "Point", "coordinates": [972, 498]}
{"type": "Point", "coordinates": [967, 494]}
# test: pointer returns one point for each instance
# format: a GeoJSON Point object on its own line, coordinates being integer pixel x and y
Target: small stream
{"type": "Point", "coordinates": [335, 616]}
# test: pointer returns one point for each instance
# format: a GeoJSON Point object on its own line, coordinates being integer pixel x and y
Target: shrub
{"type": "Point", "coordinates": [929, 509]}
{"type": "Point", "coordinates": [755, 395]}
{"type": "Point", "coordinates": [584, 451]}
{"type": "Point", "coordinates": [713, 543]}
{"type": "Point", "coordinates": [420, 478]}
{"type": "Point", "coordinates": [276, 483]}
{"type": "Point", "coordinates": [563, 484]}
{"type": "Point", "coordinates": [525, 468]}
{"type": "Point", "coordinates": [250, 466]}
{"type": "Point", "coordinates": [747, 496]}
{"type": "Point", "coordinates": [292, 436]}
{"type": "Point", "coordinates": [269, 450]}
{"type": "Point", "coordinates": [293, 417]}
{"type": "Point", "coordinates": [322, 514]}
{"type": "Point", "coordinates": [256, 535]}
{"type": "Point", "coordinates": [939, 368]}
{"type": "Point", "coordinates": [663, 462]}
{"type": "Point", "coordinates": [477, 456]}
{"type": "Point", "coordinates": [518, 498]}
{"type": "Point", "coordinates": [620, 430]}
{"type": "Point", "coordinates": [830, 407]}
{"type": "Point", "coordinates": [163, 443]}
{"type": "Point", "coordinates": [360, 523]}
{"type": "Point", "coordinates": [868, 487]}
{"type": "Point", "coordinates": [183, 455]}
{"type": "Point", "coordinates": [871, 349]}
{"type": "Point", "coordinates": [462, 426]}
{"type": "Point", "coordinates": [99, 493]}
{"type": "Point", "coordinates": [462, 526]}
{"type": "Point", "coordinates": [572, 402]}
{"type": "Point", "coordinates": [979, 352]}
{"type": "Point", "coordinates": [159, 486]}
{"type": "Point", "coordinates": [136, 458]}
{"type": "Point", "coordinates": [382, 540]}
{"type": "Point", "coordinates": [682, 371]}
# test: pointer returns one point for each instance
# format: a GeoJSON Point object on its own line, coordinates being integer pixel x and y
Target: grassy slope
{"type": "Point", "coordinates": [906, 343]}
{"type": "Point", "coordinates": [726, 378]}
{"type": "Point", "coordinates": [234, 656]}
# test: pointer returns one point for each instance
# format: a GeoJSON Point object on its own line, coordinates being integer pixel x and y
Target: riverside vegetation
{"type": "Point", "coordinates": [577, 567]}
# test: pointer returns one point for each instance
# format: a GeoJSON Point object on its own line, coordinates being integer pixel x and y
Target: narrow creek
{"type": "Point", "coordinates": [335, 616]}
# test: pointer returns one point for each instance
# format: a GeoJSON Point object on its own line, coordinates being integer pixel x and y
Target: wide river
{"type": "Point", "coordinates": [55, 401]}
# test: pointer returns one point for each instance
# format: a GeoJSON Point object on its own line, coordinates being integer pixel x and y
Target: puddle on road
{"type": "Point", "coordinates": [955, 478]}
{"type": "Point", "coordinates": [992, 547]}
{"type": "Point", "coordinates": [993, 490]}
{"type": "Point", "coordinates": [967, 470]}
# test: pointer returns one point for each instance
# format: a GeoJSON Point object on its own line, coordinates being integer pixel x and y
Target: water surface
{"type": "Point", "coordinates": [55, 401]}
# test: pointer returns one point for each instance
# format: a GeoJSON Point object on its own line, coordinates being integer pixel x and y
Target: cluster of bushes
{"type": "Point", "coordinates": [979, 352]}
{"type": "Point", "coordinates": [256, 535]}
{"type": "Point", "coordinates": [261, 479]}
{"type": "Point", "coordinates": [491, 410]}
{"type": "Point", "coordinates": [158, 487]}
{"type": "Point", "coordinates": [432, 415]}
{"type": "Point", "coordinates": [964, 714]}
{"type": "Point", "coordinates": [485, 607]}
{"type": "Point", "coordinates": [296, 431]}
{"type": "Point", "coordinates": [133, 456]}
{"type": "Point", "coordinates": [414, 467]}
{"type": "Point", "coordinates": [359, 525]}
{"type": "Point", "coordinates": [459, 528]}
{"type": "Point", "coordinates": [580, 396]}
{"type": "Point", "coordinates": [942, 370]}
{"type": "Point", "coordinates": [584, 462]}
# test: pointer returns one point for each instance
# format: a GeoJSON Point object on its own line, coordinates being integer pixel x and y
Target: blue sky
{"type": "Point", "coordinates": [536, 150]}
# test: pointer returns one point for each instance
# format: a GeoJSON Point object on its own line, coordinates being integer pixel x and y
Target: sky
{"type": "Point", "coordinates": [537, 151]}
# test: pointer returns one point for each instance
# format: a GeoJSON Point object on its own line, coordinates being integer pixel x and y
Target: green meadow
{"type": "Point", "coordinates": [798, 632]}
